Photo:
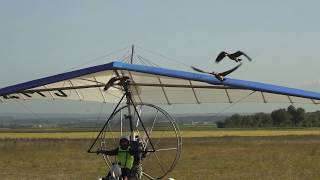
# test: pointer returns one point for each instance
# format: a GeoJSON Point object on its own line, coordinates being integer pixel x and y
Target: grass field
{"type": "Point", "coordinates": [48, 134]}
{"type": "Point", "coordinates": [231, 154]}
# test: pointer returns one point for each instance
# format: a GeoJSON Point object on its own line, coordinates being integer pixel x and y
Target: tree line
{"type": "Point", "coordinates": [290, 117]}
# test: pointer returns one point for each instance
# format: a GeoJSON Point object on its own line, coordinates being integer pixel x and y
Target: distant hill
{"type": "Point", "coordinates": [16, 120]}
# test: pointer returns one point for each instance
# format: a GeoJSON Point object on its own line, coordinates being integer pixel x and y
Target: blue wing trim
{"type": "Point", "coordinates": [52, 79]}
{"type": "Point", "coordinates": [256, 86]}
{"type": "Point", "coordinates": [250, 85]}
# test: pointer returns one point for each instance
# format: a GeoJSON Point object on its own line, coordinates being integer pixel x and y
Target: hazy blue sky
{"type": "Point", "coordinates": [42, 37]}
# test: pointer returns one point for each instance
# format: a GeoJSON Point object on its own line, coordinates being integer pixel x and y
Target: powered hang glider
{"type": "Point", "coordinates": [154, 131]}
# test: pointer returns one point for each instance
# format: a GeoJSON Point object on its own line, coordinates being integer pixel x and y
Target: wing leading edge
{"type": "Point", "coordinates": [153, 85]}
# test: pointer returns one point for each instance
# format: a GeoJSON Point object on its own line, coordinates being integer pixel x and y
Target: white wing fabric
{"type": "Point", "coordinates": [153, 85]}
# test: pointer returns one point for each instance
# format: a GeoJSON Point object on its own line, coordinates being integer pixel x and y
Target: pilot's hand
{"type": "Point", "coordinates": [99, 151]}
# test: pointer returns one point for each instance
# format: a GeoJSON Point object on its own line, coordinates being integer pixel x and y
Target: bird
{"type": "Point", "coordinates": [234, 56]}
{"type": "Point", "coordinates": [220, 76]}
{"type": "Point", "coordinates": [120, 81]}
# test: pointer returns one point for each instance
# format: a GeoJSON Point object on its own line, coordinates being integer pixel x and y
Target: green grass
{"type": "Point", "coordinates": [48, 159]}
{"type": "Point", "coordinates": [294, 157]}
{"type": "Point", "coordinates": [186, 133]}
{"type": "Point", "coordinates": [228, 157]}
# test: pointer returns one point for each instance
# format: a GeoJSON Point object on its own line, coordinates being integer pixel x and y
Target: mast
{"type": "Point", "coordinates": [128, 96]}
{"type": "Point", "coordinates": [132, 52]}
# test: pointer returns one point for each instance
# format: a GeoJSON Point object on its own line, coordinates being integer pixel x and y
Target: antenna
{"type": "Point", "coordinates": [132, 52]}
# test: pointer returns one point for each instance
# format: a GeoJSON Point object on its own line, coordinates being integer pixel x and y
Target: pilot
{"type": "Point", "coordinates": [126, 157]}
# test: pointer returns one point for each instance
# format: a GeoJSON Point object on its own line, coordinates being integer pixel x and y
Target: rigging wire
{"type": "Point", "coordinates": [100, 111]}
{"type": "Point", "coordinates": [36, 115]}
{"type": "Point", "coordinates": [125, 57]}
{"type": "Point", "coordinates": [99, 57]}
{"type": "Point", "coordinates": [28, 109]}
{"type": "Point", "coordinates": [148, 61]}
{"type": "Point", "coordinates": [233, 104]}
{"type": "Point", "coordinates": [164, 57]}
{"type": "Point", "coordinates": [141, 60]}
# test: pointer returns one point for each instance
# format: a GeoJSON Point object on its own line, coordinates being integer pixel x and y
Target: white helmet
{"type": "Point", "coordinates": [115, 170]}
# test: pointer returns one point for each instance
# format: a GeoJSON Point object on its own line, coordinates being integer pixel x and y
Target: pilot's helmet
{"type": "Point", "coordinates": [124, 142]}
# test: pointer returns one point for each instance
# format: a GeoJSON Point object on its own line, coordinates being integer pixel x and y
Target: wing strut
{"type": "Point", "coordinates": [264, 98]}
{"type": "Point", "coordinates": [228, 96]}
{"type": "Point", "coordinates": [194, 93]}
{"type": "Point", "coordinates": [164, 92]}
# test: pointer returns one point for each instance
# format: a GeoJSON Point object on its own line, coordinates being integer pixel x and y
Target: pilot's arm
{"type": "Point", "coordinates": [113, 152]}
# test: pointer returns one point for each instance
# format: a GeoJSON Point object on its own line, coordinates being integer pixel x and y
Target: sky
{"type": "Point", "coordinates": [43, 37]}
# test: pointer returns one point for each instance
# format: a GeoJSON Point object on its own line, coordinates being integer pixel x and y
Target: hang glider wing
{"type": "Point", "coordinates": [153, 85]}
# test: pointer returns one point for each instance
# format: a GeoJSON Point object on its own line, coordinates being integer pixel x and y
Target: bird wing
{"type": "Point", "coordinates": [237, 54]}
{"type": "Point", "coordinates": [240, 53]}
{"type": "Point", "coordinates": [198, 70]}
{"type": "Point", "coordinates": [246, 56]}
{"type": "Point", "coordinates": [220, 56]}
{"type": "Point", "coordinates": [230, 71]}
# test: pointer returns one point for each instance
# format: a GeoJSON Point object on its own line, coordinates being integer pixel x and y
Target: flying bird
{"type": "Point", "coordinates": [234, 56]}
{"type": "Point", "coordinates": [219, 76]}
